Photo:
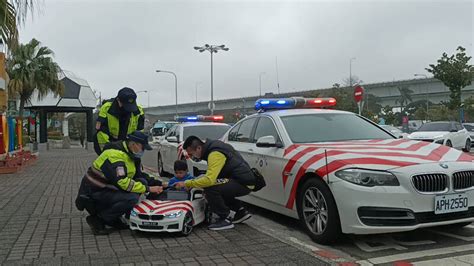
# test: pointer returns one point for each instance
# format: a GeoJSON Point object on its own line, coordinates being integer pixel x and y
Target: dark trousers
{"type": "Point", "coordinates": [109, 204]}
{"type": "Point", "coordinates": [222, 197]}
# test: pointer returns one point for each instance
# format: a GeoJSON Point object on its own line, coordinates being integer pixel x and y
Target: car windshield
{"type": "Point", "coordinates": [205, 131]}
{"type": "Point", "coordinates": [469, 127]}
{"type": "Point", "coordinates": [435, 127]}
{"type": "Point", "coordinates": [311, 128]}
{"type": "Point", "coordinates": [159, 125]}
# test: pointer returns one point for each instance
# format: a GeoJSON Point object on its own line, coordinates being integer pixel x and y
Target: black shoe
{"type": "Point", "coordinates": [97, 225]}
{"type": "Point", "coordinates": [85, 202]}
{"type": "Point", "coordinates": [119, 225]}
{"type": "Point", "coordinates": [221, 224]}
{"type": "Point", "coordinates": [241, 215]}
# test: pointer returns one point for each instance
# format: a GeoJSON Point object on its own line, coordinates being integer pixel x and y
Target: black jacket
{"type": "Point", "coordinates": [235, 166]}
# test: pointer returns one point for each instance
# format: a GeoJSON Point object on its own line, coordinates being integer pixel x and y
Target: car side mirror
{"type": "Point", "coordinates": [268, 142]}
{"type": "Point", "coordinates": [198, 195]}
{"type": "Point", "coordinates": [172, 139]}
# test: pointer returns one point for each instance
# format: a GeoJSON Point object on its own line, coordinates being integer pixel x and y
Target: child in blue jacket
{"type": "Point", "coordinates": [180, 173]}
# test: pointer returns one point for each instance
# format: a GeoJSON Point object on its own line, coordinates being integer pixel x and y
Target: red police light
{"type": "Point", "coordinates": [319, 102]}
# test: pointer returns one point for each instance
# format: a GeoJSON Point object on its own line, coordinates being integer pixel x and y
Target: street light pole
{"type": "Point", "coordinates": [350, 71]}
{"type": "Point", "coordinates": [260, 78]}
{"type": "Point", "coordinates": [175, 87]}
{"type": "Point", "coordinates": [427, 101]}
{"type": "Point", "coordinates": [148, 95]}
{"type": "Point", "coordinates": [212, 49]}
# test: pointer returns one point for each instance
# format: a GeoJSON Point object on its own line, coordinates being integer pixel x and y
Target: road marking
{"type": "Point", "coordinates": [465, 238]}
{"type": "Point", "coordinates": [458, 261]}
{"type": "Point", "coordinates": [388, 243]}
{"type": "Point", "coordinates": [301, 243]}
{"type": "Point", "coordinates": [418, 254]}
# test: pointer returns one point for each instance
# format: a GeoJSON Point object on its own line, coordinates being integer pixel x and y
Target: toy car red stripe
{"type": "Point", "coordinates": [170, 203]}
{"type": "Point", "coordinates": [178, 207]}
{"type": "Point", "coordinates": [138, 209]}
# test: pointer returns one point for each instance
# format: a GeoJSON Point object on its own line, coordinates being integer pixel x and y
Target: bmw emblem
{"type": "Point", "coordinates": [443, 165]}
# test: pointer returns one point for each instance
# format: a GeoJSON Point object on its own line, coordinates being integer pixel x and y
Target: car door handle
{"type": "Point", "coordinates": [250, 150]}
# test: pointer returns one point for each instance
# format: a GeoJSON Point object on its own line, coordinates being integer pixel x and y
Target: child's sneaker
{"type": "Point", "coordinates": [241, 215]}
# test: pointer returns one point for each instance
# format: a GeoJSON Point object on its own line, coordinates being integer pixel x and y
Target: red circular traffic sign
{"type": "Point", "coordinates": [358, 93]}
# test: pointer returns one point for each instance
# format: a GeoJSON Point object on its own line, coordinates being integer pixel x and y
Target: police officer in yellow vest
{"type": "Point", "coordinates": [113, 184]}
{"type": "Point", "coordinates": [118, 117]}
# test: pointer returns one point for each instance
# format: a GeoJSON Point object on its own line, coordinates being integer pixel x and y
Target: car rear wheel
{"type": "Point", "coordinates": [448, 143]}
{"type": "Point", "coordinates": [188, 224]}
{"type": "Point", "coordinates": [467, 148]}
{"type": "Point", "coordinates": [318, 211]}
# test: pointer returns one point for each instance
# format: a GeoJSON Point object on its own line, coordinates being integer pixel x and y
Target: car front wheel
{"type": "Point", "coordinates": [467, 147]}
{"type": "Point", "coordinates": [448, 143]}
{"type": "Point", "coordinates": [317, 211]}
{"type": "Point", "coordinates": [188, 224]}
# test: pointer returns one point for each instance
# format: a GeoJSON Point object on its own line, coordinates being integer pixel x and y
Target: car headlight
{"type": "Point", "coordinates": [175, 214]}
{"type": "Point", "coordinates": [368, 178]}
{"type": "Point", "coordinates": [133, 213]}
{"type": "Point", "coordinates": [440, 141]}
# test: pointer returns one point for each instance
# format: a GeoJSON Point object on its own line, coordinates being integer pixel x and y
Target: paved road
{"type": "Point", "coordinates": [442, 246]}
{"type": "Point", "coordinates": [39, 225]}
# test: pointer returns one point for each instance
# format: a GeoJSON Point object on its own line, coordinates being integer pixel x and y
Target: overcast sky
{"type": "Point", "coordinates": [113, 44]}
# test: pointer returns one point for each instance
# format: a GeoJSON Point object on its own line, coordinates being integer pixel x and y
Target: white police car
{"type": "Point", "coordinates": [170, 148]}
{"type": "Point", "coordinates": [339, 172]}
{"type": "Point", "coordinates": [175, 211]}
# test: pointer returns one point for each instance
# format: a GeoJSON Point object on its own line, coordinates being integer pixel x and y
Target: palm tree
{"type": "Point", "coordinates": [404, 98]}
{"type": "Point", "coordinates": [13, 13]}
{"type": "Point", "coordinates": [31, 67]}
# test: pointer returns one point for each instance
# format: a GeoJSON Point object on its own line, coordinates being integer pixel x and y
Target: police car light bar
{"type": "Point", "coordinates": [200, 118]}
{"type": "Point", "coordinates": [293, 103]}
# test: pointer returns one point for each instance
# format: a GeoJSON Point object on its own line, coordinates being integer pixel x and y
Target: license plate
{"type": "Point", "coordinates": [151, 223]}
{"type": "Point", "coordinates": [451, 203]}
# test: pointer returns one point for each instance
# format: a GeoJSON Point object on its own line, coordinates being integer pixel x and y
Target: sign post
{"type": "Point", "coordinates": [358, 96]}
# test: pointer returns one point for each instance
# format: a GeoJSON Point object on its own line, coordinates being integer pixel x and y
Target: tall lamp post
{"type": "Point", "coordinates": [260, 79]}
{"type": "Point", "coordinates": [350, 71]}
{"type": "Point", "coordinates": [427, 110]}
{"type": "Point", "coordinates": [175, 87]}
{"type": "Point", "coordinates": [212, 49]}
{"type": "Point", "coordinates": [148, 94]}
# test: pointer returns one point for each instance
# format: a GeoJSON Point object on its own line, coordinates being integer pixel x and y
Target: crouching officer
{"type": "Point", "coordinates": [228, 176]}
{"type": "Point", "coordinates": [118, 117]}
{"type": "Point", "coordinates": [113, 184]}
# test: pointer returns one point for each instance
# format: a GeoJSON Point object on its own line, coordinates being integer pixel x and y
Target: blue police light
{"type": "Point", "coordinates": [200, 118]}
{"type": "Point", "coordinates": [267, 104]}
{"type": "Point", "coordinates": [294, 102]}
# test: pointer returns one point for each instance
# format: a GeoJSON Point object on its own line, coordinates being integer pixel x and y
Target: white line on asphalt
{"type": "Point", "coordinates": [458, 261]}
{"type": "Point", "coordinates": [465, 238]}
{"type": "Point", "coordinates": [418, 254]}
{"type": "Point", "coordinates": [297, 241]}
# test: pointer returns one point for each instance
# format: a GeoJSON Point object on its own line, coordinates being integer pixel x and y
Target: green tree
{"type": "Point", "coordinates": [391, 117]}
{"type": "Point", "coordinates": [31, 67]}
{"type": "Point", "coordinates": [12, 13]}
{"type": "Point", "coordinates": [344, 99]}
{"type": "Point", "coordinates": [404, 98]}
{"type": "Point", "coordinates": [455, 72]}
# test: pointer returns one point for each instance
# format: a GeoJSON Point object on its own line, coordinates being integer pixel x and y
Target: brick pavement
{"type": "Point", "coordinates": [40, 225]}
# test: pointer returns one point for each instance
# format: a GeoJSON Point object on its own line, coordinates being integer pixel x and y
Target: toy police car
{"type": "Point", "coordinates": [175, 211]}
{"type": "Point", "coordinates": [339, 172]}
